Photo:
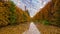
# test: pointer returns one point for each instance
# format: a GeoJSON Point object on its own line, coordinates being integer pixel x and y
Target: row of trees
{"type": "Point", "coordinates": [11, 14]}
{"type": "Point", "coordinates": [50, 13]}
{"type": "Point", "coordinates": [7, 13]}
{"type": "Point", "coordinates": [22, 16]}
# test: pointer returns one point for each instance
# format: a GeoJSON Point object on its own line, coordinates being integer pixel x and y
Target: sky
{"type": "Point", "coordinates": [33, 6]}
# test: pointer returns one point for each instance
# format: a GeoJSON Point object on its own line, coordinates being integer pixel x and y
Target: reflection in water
{"type": "Point", "coordinates": [32, 29]}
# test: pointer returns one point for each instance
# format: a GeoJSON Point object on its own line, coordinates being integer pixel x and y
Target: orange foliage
{"type": "Point", "coordinates": [50, 12]}
{"type": "Point", "coordinates": [5, 12]}
{"type": "Point", "coordinates": [22, 16]}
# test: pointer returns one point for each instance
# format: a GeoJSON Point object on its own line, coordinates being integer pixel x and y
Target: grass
{"type": "Point", "coordinates": [45, 22]}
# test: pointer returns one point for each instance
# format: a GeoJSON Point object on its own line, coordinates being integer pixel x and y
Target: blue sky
{"type": "Point", "coordinates": [34, 6]}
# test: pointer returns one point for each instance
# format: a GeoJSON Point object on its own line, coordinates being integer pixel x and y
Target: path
{"type": "Point", "coordinates": [19, 29]}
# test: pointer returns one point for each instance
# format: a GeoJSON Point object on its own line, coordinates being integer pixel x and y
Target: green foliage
{"type": "Point", "coordinates": [45, 22]}
{"type": "Point", "coordinates": [12, 19]}
{"type": "Point", "coordinates": [12, 16]}
{"type": "Point", "coordinates": [12, 7]}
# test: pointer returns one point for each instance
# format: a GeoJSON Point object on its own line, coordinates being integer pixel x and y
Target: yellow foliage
{"type": "Point", "coordinates": [22, 16]}
{"type": "Point", "coordinates": [50, 12]}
